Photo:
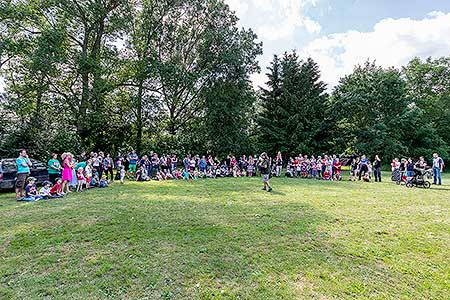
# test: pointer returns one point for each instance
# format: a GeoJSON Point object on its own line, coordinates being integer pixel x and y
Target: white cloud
{"type": "Point", "coordinates": [239, 6]}
{"type": "Point", "coordinates": [264, 5]}
{"type": "Point", "coordinates": [289, 15]}
{"type": "Point", "coordinates": [393, 42]}
{"type": "Point", "coordinates": [284, 18]}
{"type": "Point", "coordinates": [312, 26]}
{"type": "Point", "coordinates": [259, 79]}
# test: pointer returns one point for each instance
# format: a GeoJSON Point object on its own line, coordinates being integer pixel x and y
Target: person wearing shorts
{"type": "Point", "coordinates": [23, 170]}
{"type": "Point", "coordinates": [132, 159]}
{"type": "Point", "coordinates": [264, 167]}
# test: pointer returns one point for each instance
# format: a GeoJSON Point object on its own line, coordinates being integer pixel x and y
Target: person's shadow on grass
{"type": "Point", "coordinates": [434, 188]}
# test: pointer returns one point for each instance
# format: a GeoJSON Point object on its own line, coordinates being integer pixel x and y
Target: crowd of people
{"type": "Point", "coordinates": [330, 168]}
{"type": "Point", "coordinates": [170, 167]}
{"type": "Point", "coordinates": [73, 174]}
{"type": "Point", "coordinates": [405, 169]}
{"type": "Point", "coordinates": [76, 173]}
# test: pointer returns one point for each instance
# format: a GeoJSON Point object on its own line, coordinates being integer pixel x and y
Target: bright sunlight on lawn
{"type": "Point", "coordinates": [227, 239]}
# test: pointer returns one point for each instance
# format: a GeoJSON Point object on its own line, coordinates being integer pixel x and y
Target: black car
{"type": "Point", "coordinates": [8, 172]}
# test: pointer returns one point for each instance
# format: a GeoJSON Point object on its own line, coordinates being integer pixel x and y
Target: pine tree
{"type": "Point", "coordinates": [229, 105]}
{"type": "Point", "coordinates": [271, 136]}
{"type": "Point", "coordinates": [293, 106]}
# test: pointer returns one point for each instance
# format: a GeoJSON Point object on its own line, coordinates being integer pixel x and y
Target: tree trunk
{"type": "Point", "coordinates": [139, 125]}
{"type": "Point", "coordinates": [81, 119]}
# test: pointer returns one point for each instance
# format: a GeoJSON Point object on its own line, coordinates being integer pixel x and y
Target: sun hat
{"type": "Point", "coordinates": [31, 178]}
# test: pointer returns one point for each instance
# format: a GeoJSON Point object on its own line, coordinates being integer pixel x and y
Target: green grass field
{"type": "Point", "coordinates": [227, 239]}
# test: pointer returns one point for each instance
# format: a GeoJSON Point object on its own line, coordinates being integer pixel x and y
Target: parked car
{"type": "Point", "coordinates": [8, 172]}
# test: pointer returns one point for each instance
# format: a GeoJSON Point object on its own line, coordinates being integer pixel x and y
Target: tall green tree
{"type": "Point", "coordinates": [199, 43]}
{"type": "Point", "coordinates": [179, 49]}
{"type": "Point", "coordinates": [293, 106]}
{"type": "Point", "coordinates": [374, 115]}
{"type": "Point", "coordinates": [428, 88]}
{"type": "Point", "coordinates": [229, 109]}
{"type": "Point", "coordinates": [369, 104]}
{"type": "Point", "coordinates": [75, 76]}
{"type": "Point", "coordinates": [138, 76]}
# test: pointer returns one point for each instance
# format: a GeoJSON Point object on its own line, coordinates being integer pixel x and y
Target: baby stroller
{"type": "Point", "coordinates": [420, 179]}
{"type": "Point", "coordinates": [399, 176]}
{"type": "Point", "coordinates": [396, 176]}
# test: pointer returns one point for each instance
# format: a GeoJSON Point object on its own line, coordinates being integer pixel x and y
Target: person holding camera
{"type": "Point", "coordinates": [264, 167]}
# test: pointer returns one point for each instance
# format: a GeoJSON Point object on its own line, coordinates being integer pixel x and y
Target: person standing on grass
{"type": "Point", "coordinates": [95, 162]}
{"type": "Point", "coordinates": [186, 161]}
{"type": "Point", "coordinates": [279, 162]}
{"type": "Point", "coordinates": [264, 167]}
{"type": "Point", "coordinates": [54, 168]}
{"type": "Point", "coordinates": [108, 166]}
{"type": "Point", "coordinates": [202, 164]}
{"type": "Point", "coordinates": [438, 168]}
{"type": "Point", "coordinates": [363, 168]}
{"type": "Point", "coordinates": [377, 168]}
{"type": "Point", "coordinates": [132, 159]}
{"type": "Point", "coordinates": [23, 170]}
{"type": "Point", "coordinates": [67, 171]}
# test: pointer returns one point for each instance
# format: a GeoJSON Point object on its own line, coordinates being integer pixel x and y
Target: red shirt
{"type": "Point", "coordinates": [56, 188]}
{"type": "Point", "coordinates": [80, 176]}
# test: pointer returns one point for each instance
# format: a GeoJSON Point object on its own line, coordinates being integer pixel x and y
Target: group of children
{"type": "Point", "coordinates": [88, 177]}
{"type": "Point", "coordinates": [74, 174]}
{"type": "Point", "coordinates": [325, 168]}
{"type": "Point", "coordinates": [47, 191]}
{"type": "Point", "coordinates": [195, 167]}
{"type": "Point", "coordinates": [168, 167]}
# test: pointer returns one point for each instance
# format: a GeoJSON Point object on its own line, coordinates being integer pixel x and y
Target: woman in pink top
{"type": "Point", "coordinates": [67, 171]}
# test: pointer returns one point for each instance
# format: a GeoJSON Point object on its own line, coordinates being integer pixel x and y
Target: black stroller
{"type": "Point", "coordinates": [396, 176]}
{"type": "Point", "coordinates": [420, 179]}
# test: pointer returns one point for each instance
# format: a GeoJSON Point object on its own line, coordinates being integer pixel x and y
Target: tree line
{"type": "Point", "coordinates": [173, 76]}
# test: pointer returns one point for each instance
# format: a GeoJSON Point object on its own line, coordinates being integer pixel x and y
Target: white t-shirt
{"type": "Point", "coordinates": [88, 170]}
{"type": "Point", "coordinates": [437, 162]}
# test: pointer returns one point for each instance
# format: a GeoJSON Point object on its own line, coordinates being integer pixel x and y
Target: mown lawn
{"type": "Point", "coordinates": [227, 239]}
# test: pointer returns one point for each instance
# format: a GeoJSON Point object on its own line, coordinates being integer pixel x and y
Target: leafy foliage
{"type": "Point", "coordinates": [375, 111]}
{"type": "Point", "coordinates": [292, 107]}
{"type": "Point", "coordinates": [173, 76]}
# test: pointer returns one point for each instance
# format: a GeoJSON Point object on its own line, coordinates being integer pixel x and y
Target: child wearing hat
{"type": "Point", "coordinates": [31, 193]}
{"type": "Point", "coordinates": [80, 179]}
{"type": "Point", "coordinates": [44, 192]}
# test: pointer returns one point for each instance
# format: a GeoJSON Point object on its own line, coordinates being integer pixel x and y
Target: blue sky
{"type": "Point", "coordinates": [339, 34]}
